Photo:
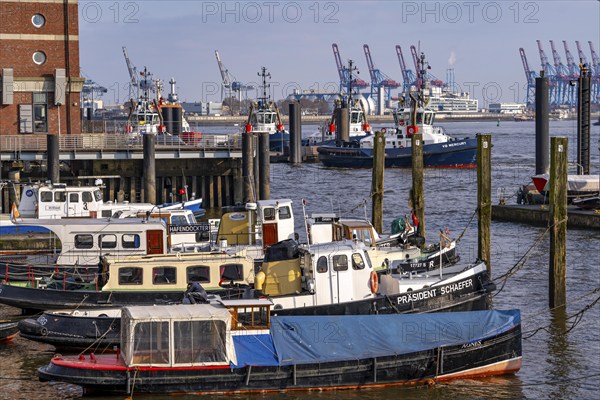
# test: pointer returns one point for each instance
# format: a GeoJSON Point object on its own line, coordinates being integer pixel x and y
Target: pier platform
{"type": "Point", "coordinates": [539, 214]}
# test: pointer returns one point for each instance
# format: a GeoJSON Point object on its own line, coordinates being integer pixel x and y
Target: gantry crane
{"type": "Point", "coordinates": [345, 74]}
{"type": "Point", "coordinates": [378, 78]}
{"type": "Point", "coordinates": [562, 77]}
{"type": "Point", "coordinates": [530, 75]}
{"type": "Point", "coordinates": [408, 76]}
{"type": "Point", "coordinates": [229, 83]}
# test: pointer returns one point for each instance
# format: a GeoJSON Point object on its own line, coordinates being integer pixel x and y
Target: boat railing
{"type": "Point", "coordinates": [119, 142]}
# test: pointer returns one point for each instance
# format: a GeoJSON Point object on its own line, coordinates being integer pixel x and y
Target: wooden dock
{"type": "Point", "coordinates": [539, 214]}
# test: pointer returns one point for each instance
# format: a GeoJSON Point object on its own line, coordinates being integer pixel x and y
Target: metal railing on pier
{"type": "Point", "coordinates": [120, 142]}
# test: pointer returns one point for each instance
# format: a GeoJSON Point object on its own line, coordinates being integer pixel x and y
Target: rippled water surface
{"type": "Point", "coordinates": [556, 364]}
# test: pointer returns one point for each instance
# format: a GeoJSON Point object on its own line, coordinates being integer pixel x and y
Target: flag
{"type": "Point", "coordinates": [414, 218]}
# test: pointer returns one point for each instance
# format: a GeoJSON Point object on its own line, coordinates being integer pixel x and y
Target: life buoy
{"type": "Point", "coordinates": [374, 282]}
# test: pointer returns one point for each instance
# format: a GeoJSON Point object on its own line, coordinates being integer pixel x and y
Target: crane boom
{"type": "Point", "coordinates": [595, 58]}
{"type": "Point", "coordinates": [132, 70]}
{"type": "Point", "coordinates": [582, 56]}
{"type": "Point", "coordinates": [571, 64]}
{"type": "Point", "coordinates": [224, 73]}
{"type": "Point", "coordinates": [338, 60]}
{"type": "Point", "coordinates": [370, 62]}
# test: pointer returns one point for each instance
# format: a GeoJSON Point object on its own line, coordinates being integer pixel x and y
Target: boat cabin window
{"type": "Point", "coordinates": [284, 213]}
{"type": "Point", "coordinates": [202, 236]}
{"type": "Point", "coordinates": [74, 198]}
{"type": "Point", "coordinates": [86, 197]}
{"type": "Point", "coordinates": [179, 220]}
{"type": "Point", "coordinates": [164, 275]}
{"type": "Point", "coordinates": [322, 264]}
{"type": "Point", "coordinates": [107, 241]}
{"type": "Point", "coordinates": [249, 317]}
{"type": "Point", "coordinates": [357, 261]}
{"type": "Point", "coordinates": [198, 273]}
{"type": "Point", "coordinates": [46, 197]}
{"type": "Point", "coordinates": [363, 235]}
{"type": "Point", "coordinates": [131, 276]}
{"type": "Point", "coordinates": [340, 263]}
{"type": "Point", "coordinates": [428, 118]}
{"type": "Point", "coordinates": [130, 241]}
{"type": "Point", "coordinates": [151, 342]}
{"type": "Point", "coordinates": [84, 241]}
{"type": "Point", "coordinates": [199, 341]}
{"type": "Point", "coordinates": [232, 272]}
{"type": "Point", "coordinates": [97, 195]}
{"type": "Point", "coordinates": [269, 214]}
{"type": "Point", "coordinates": [60, 197]}
{"type": "Point", "coordinates": [356, 118]}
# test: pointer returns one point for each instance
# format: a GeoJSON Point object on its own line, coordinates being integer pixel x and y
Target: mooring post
{"type": "Point", "coordinates": [265, 166]}
{"type": "Point", "coordinates": [53, 158]}
{"type": "Point", "coordinates": [342, 127]}
{"type": "Point", "coordinates": [238, 183]}
{"type": "Point", "coordinates": [247, 166]}
{"type": "Point", "coordinates": [583, 122]}
{"type": "Point", "coordinates": [484, 198]}
{"type": "Point", "coordinates": [377, 181]}
{"type": "Point", "coordinates": [295, 133]}
{"type": "Point", "coordinates": [542, 125]}
{"type": "Point", "coordinates": [256, 175]}
{"type": "Point", "coordinates": [149, 169]}
{"type": "Point", "coordinates": [558, 219]}
{"type": "Point", "coordinates": [418, 198]}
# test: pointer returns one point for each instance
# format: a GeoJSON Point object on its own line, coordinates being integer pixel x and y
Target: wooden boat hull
{"type": "Point", "coordinates": [493, 355]}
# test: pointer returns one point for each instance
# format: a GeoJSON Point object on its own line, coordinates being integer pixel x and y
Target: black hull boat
{"type": "Point", "coordinates": [8, 330]}
{"type": "Point", "coordinates": [364, 351]}
{"type": "Point", "coordinates": [102, 328]}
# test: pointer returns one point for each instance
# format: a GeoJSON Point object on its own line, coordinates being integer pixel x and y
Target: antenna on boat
{"type": "Point", "coordinates": [264, 74]}
{"type": "Point", "coordinates": [304, 202]}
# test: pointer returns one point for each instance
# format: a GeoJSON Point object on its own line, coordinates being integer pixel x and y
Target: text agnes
{"type": "Point", "coordinates": [443, 290]}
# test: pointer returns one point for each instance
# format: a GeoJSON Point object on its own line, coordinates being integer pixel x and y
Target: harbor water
{"type": "Point", "coordinates": [561, 348]}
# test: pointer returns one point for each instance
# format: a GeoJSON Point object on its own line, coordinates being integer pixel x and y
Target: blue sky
{"type": "Point", "coordinates": [479, 39]}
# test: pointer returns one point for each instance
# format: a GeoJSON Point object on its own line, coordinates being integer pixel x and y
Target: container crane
{"type": "Point", "coordinates": [134, 78]}
{"type": "Point", "coordinates": [562, 77]}
{"type": "Point", "coordinates": [378, 78]}
{"type": "Point", "coordinates": [530, 75]}
{"type": "Point", "coordinates": [582, 57]}
{"type": "Point", "coordinates": [345, 74]}
{"type": "Point", "coordinates": [595, 84]}
{"type": "Point", "coordinates": [550, 73]}
{"type": "Point", "coordinates": [229, 83]}
{"type": "Point", "coordinates": [408, 76]}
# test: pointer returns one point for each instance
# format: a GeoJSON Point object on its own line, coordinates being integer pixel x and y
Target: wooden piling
{"type": "Point", "coordinates": [248, 167]}
{"type": "Point", "coordinates": [149, 169]}
{"type": "Point", "coordinates": [295, 133]}
{"type": "Point", "coordinates": [558, 216]}
{"type": "Point", "coordinates": [418, 198]}
{"type": "Point", "coordinates": [484, 198]}
{"type": "Point", "coordinates": [264, 157]}
{"type": "Point", "coordinates": [377, 181]}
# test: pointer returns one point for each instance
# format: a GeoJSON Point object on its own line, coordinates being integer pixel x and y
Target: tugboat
{"type": "Point", "coordinates": [439, 149]}
{"type": "Point", "coordinates": [264, 116]}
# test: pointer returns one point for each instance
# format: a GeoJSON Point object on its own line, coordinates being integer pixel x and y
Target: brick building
{"type": "Point", "coordinates": [40, 84]}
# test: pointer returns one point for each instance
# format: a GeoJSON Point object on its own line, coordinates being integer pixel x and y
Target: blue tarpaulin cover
{"type": "Point", "coordinates": [254, 349]}
{"type": "Point", "coordinates": [318, 339]}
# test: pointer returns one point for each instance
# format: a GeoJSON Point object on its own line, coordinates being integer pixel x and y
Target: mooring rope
{"type": "Point", "coordinates": [578, 317]}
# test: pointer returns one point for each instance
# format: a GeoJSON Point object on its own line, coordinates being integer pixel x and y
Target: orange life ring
{"type": "Point", "coordinates": [374, 282]}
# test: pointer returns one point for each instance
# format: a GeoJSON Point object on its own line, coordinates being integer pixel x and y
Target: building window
{"type": "Point", "coordinates": [38, 20]}
{"type": "Point", "coordinates": [39, 57]}
{"type": "Point", "coordinates": [40, 113]}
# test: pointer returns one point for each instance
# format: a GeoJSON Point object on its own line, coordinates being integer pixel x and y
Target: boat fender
{"type": "Point", "coordinates": [374, 282]}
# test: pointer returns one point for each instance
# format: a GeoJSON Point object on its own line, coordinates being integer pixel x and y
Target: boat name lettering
{"type": "Point", "coordinates": [427, 264]}
{"type": "Point", "coordinates": [454, 287]}
{"type": "Point", "coordinates": [472, 344]}
{"type": "Point", "coordinates": [189, 228]}
{"type": "Point", "coordinates": [426, 294]}
{"type": "Point", "coordinates": [454, 144]}
{"type": "Point", "coordinates": [52, 208]}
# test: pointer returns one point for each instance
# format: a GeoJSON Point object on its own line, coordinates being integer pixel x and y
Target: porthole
{"type": "Point", "coordinates": [38, 20]}
{"type": "Point", "coordinates": [39, 57]}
